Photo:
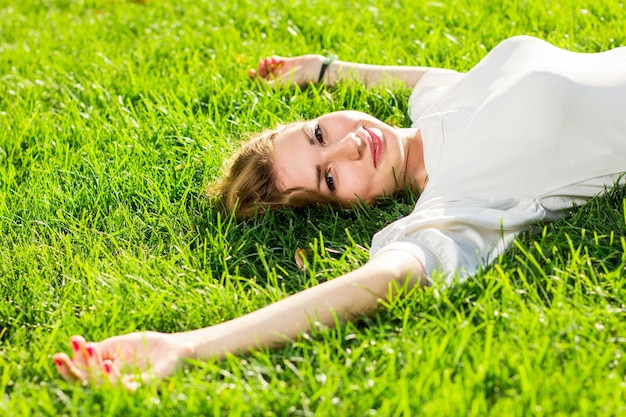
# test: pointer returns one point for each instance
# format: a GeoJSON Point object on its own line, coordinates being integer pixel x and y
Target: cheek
{"type": "Point", "coordinates": [364, 189]}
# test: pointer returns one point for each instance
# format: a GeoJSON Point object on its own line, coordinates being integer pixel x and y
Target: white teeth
{"type": "Point", "coordinates": [372, 141]}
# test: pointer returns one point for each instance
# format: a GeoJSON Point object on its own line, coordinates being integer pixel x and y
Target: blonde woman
{"type": "Point", "coordinates": [529, 132]}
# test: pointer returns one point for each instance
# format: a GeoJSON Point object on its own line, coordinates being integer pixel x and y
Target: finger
{"type": "Point", "coordinates": [275, 71]}
{"type": "Point", "coordinates": [67, 369]}
{"type": "Point", "coordinates": [111, 371]}
{"type": "Point", "coordinates": [261, 69]}
{"type": "Point", "coordinates": [130, 382]}
{"type": "Point", "coordinates": [94, 370]}
{"type": "Point", "coordinates": [94, 354]}
{"type": "Point", "coordinates": [62, 368]}
{"type": "Point", "coordinates": [268, 67]}
{"type": "Point", "coordinates": [80, 354]}
{"type": "Point", "coordinates": [275, 66]}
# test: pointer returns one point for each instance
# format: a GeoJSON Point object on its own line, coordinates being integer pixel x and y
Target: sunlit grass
{"type": "Point", "coordinates": [114, 115]}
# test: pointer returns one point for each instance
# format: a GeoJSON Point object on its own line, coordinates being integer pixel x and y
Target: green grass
{"type": "Point", "coordinates": [115, 114]}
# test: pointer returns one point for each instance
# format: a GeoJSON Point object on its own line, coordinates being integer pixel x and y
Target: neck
{"type": "Point", "coordinates": [415, 175]}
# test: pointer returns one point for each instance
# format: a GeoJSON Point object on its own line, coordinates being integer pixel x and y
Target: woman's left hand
{"type": "Point", "coordinates": [299, 70]}
{"type": "Point", "coordinates": [151, 355]}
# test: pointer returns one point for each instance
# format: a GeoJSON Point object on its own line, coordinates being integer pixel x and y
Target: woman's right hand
{"type": "Point", "coordinates": [299, 70]}
{"type": "Point", "coordinates": [129, 359]}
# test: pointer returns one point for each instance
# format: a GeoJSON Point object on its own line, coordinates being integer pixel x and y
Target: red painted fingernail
{"type": "Point", "coordinates": [107, 367]}
{"type": "Point", "coordinates": [74, 345]}
{"type": "Point", "coordinates": [89, 350]}
{"type": "Point", "coordinates": [57, 361]}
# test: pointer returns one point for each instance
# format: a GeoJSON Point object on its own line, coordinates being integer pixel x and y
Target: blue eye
{"type": "Point", "coordinates": [330, 181]}
{"type": "Point", "coordinates": [318, 134]}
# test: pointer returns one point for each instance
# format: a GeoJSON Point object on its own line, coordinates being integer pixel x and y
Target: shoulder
{"type": "Point", "coordinates": [521, 42]}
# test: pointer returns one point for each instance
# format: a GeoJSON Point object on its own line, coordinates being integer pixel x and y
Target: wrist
{"type": "Point", "coordinates": [189, 345]}
{"type": "Point", "coordinates": [324, 68]}
{"type": "Point", "coordinates": [204, 343]}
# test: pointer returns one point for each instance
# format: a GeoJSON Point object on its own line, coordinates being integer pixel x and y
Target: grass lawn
{"type": "Point", "coordinates": [115, 114]}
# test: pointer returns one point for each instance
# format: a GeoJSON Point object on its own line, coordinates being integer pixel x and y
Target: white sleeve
{"type": "Point", "coordinates": [455, 238]}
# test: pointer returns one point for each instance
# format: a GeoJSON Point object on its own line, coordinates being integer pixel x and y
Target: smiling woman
{"type": "Point", "coordinates": [251, 185]}
{"type": "Point", "coordinates": [348, 155]}
{"type": "Point", "coordinates": [490, 152]}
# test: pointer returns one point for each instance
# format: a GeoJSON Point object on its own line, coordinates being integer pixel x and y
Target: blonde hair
{"type": "Point", "coordinates": [250, 185]}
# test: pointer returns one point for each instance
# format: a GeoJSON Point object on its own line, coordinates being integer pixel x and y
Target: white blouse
{"type": "Point", "coordinates": [529, 132]}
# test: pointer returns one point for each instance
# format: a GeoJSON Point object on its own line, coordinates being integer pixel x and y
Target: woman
{"type": "Point", "coordinates": [529, 132]}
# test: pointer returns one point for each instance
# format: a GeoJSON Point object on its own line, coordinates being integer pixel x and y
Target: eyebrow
{"type": "Point", "coordinates": [318, 168]}
{"type": "Point", "coordinates": [306, 134]}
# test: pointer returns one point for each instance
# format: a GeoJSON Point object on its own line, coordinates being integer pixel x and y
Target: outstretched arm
{"type": "Point", "coordinates": [352, 295]}
{"type": "Point", "coordinates": [158, 354]}
{"type": "Point", "coordinates": [305, 69]}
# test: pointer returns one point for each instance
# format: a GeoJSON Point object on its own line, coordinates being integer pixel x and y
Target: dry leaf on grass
{"type": "Point", "coordinates": [300, 258]}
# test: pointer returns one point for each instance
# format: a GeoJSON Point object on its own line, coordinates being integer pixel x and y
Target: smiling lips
{"type": "Point", "coordinates": [376, 148]}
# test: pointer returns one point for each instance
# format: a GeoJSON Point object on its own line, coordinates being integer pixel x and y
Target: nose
{"type": "Point", "coordinates": [351, 147]}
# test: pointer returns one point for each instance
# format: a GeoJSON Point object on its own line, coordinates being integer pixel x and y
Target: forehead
{"type": "Point", "coordinates": [295, 163]}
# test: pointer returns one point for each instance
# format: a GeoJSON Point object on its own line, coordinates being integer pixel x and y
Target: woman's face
{"type": "Point", "coordinates": [347, 154]}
